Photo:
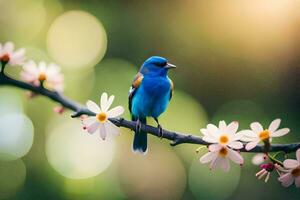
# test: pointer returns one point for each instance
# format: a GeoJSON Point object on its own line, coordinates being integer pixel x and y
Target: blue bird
{"type": "Point", "coordinates": [149, 96]}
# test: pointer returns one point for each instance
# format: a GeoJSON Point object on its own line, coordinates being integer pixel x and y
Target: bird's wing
{"type": "Point", "coordinates": [172, 88]}
{"type": "Point", "coordinates": [135, 85]}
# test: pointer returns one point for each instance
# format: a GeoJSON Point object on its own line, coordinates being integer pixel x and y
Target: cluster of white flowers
{"type": "Point", "coordinates": [48, 76]}
{"type": "Point", "coordinates": [225, 143]}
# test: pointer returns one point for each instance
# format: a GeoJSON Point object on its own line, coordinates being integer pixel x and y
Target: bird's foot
{"type": "Point", "coordinates": [160, 131]}
{"type": "Point", "coordinates": [138, 126]}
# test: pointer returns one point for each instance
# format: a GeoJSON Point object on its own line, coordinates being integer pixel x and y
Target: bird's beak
{"type": "Point", "coordinates": [170, 66]}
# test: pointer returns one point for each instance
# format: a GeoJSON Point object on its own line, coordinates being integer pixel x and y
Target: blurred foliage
{"type": "Point", "coordinates": [237, 60]}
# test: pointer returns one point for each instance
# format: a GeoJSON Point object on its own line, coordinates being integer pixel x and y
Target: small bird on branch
{"type": "Point", "coordinates": [149, 96]}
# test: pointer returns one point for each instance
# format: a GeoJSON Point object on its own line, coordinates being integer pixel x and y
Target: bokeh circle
{"type": "Point", "coordinates": [76, 39]}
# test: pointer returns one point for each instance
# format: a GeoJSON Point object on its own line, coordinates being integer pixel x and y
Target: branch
{"type": "Point", "coordinates": [176, 138]}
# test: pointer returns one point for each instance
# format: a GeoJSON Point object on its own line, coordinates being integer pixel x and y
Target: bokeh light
{"type": "Point", "coordinates": [12, 176]}
{"type": "Point", "coordinates": [16, 133]}
{"type": "Point", "coordinates": [83, 155]}
{"type": "Point", "coordinates": [76, 39]}
{"type": "Point", "coordinates": [10, 101]}
{"type": "Point", "coordinates": [21, 20]}
{"type": "Point", "coordinates": [217, 185]}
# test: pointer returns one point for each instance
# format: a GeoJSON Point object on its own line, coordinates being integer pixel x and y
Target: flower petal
{"type": "Point", "coordinates": [92, 127]}
{"type": "Point", "coordinates": [224, 164]}
{"type": "Point", "coordinates": [102, 131]}
{"type": "Point", "coordinates": [248, 133]}
{"type": "Point", "coordinates": [236, 137]}
{"type": "Point", "coordinates": [92, 106]}
{"type": "Point", "coordinates": [256, 127]}
{"type": "Point", "coordinates": [274, 125]}
{"type": "Point", "coordinates": [8, 47]}
{"type": "Point", "coordinates": [115, 112]}
{"type": "Point", "coordinates": [235, 145]}
{"type": "Point", "coordinates": [209, 139]}
{"type": "Point", "coordinates": [204, 131]}
{"type": "Point", "coordinates": [280, 132]}
{"type": "Point", "coordinates": [222, 126]}
{"type": "Point", "coordinates": [213, 130]}
{"type": "Point", "coordinates": [208, 157]}
{"type": "Point", "coordinates": [103, 102]}
{"type": "Point", "coordinates": [89, 120]}
{"type": "Point", "coordinates": [232, 127]}
{"type": "Point", "coordinates": [286, 179]}
{"type": "Point", "coordinates": [111, 128]}
{"type": "Point", "coordinates": [235, 156]}
{"type": "Point", "coordinates": [215, 162]}
{"type": "Point", "coordinates": [258, 158]}
{"type": "Point", "coordinates": [251, 145]}
{"type": "Point", "coordinates": [290, 163]}
{"type": "Point", "coordinates": [298, 155]}
{"type": "Point", "coordinates": [214, 147]}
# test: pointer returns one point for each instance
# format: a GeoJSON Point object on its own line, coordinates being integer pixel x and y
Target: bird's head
{"type": "Point", "coordinates": [156, 66]}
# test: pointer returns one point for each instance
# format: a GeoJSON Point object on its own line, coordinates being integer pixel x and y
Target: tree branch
{"type": "Point", "coordinates": [174, 137]}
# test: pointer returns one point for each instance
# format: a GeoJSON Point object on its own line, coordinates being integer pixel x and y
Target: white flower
{"type": "Point", "coordinates": [293, 173]}
{"type": "Point", "coordinates": [225, 140]}
{"type": "Point", "coordinates": [258, 133]}
{"type": "Point", "coordinates": [8, 55]}
{"type": "Point", "coordinates": [219, 156]}
{"type": "Point", "coordinates": [49, 75]}
{"type": "Point", "coordinates": [91, 124]}
{"type": "Point", "coordinates": [224, 135]}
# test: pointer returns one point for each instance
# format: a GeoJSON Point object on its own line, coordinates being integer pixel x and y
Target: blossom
{"type": "Point", "coordinates": [266, 170]}
{"type": "Point", "coordinates": [41, 73]}
{"type": "Point", "coordinates": [100, 121]}
{"type": "Point", "coordinates": [224, 140]}
{"type": "Point", "coordinates": [225, 135]}
{"type": "Point", "coordinates": [8, 55]}
{"type": "Point", "coordinates": [258, 133]}
{"type": "Point", "coordinates": [293, 171]}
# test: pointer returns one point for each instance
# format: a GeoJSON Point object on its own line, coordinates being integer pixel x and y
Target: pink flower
{"type": "Point", "coordinates": [49, 75]}
{"type": "Point", "coordinates": [293, 171]}
{"type": "Point", "coordinates": [8, 55]}
{"type": "Point", "coordinates": [258, 133]}
{"type": "Point", "coordinates": [224, 139]}
{"type": "Point", "coordinates": [267, 169]}
{"type": "Point", "coordinates": [220, 155]}
{"type": "Point", "coordinates": [100, 121]}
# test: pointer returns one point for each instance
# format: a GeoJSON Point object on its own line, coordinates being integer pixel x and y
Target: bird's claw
{"type": "Point", "coordinates": [160, 131]}
{"type": "Point", "coordinates": [138, 126]}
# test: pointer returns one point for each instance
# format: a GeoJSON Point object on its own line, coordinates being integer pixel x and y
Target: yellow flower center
{"type": "Point", "coordinates": [264, 135]}
{"type": "Point", "coordinates": [296, 172]}
{"type": "Point", "coordinates": [42, 77]}
{"type": "Point", "coordinates": [102, 117]}
{"type": "Point", "coordinates": [223, 152]}
{"type": "Point", "coordinates": [224, 139]}
{"type": "Point", "coordinates": [5, 58]}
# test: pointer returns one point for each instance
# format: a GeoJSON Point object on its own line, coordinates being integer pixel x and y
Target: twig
{"type": "Point", "coordinates": [174, 137]}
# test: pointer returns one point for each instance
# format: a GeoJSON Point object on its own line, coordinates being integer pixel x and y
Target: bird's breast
{"type": "Point", "coordinates": [157, 86]}
{"type": "Point", "coordinates": [152, 97]}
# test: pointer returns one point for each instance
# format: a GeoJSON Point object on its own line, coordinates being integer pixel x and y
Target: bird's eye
{"type": "Point", "coordinates": [161, 64]}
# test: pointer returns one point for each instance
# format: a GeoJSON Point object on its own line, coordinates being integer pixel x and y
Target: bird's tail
{"type": "Point", "coordinates": [140, 138]}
